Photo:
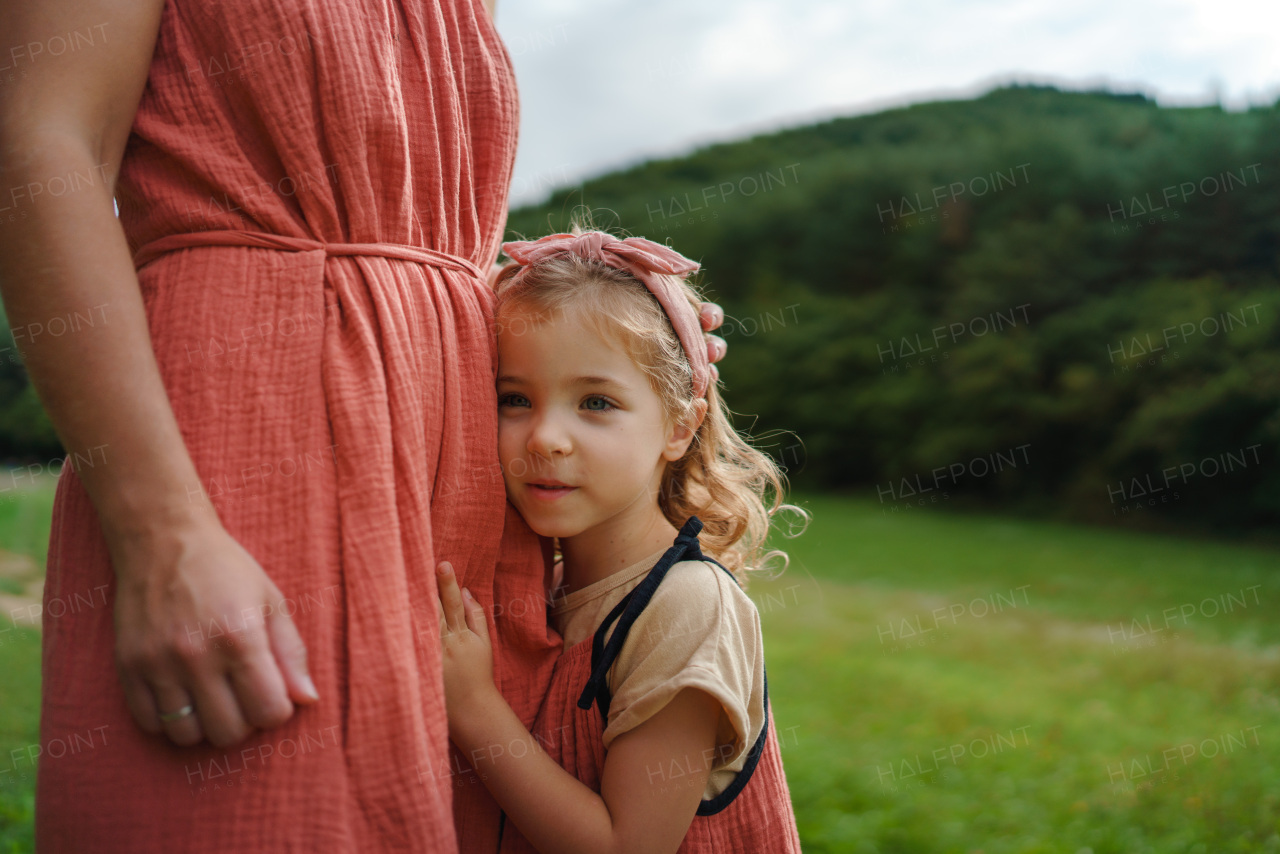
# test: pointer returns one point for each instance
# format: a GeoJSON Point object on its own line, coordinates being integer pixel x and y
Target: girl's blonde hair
{"type": "Point", "coordinates": [731, 486]}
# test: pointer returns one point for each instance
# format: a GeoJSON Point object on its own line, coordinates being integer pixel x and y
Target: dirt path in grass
{"type": "Point", "coordinates": [21, 577]}
{"type": "Point", "coordinates": [890, 621]}
{"type": "Point", "coordinates": [21, 586]}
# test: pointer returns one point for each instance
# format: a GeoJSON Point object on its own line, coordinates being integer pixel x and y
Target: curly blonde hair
{"type": "Point", "coordinates": [735, 489]}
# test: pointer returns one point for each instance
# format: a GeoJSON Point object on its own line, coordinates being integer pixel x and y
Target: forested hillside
{"type": "Point", "coordinates": [1062, 302]}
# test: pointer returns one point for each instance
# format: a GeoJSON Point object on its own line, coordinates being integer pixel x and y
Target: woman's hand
{"type": "Point", "coordinates": [467, 650]}
{"type": "Point", "coordinates": [199, 624]}
{"type": "Point", "coordinates": [712, 317]}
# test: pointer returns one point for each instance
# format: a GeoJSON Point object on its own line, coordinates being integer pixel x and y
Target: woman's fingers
{"type": "Point", "coordinates": [220, 714]}
{"type": "Point", "coordinates": [291, 658]}
{"type": "Point", "coordinates": [179, 717]}
{"type": "Point", "coordinates": [262, 698]}
{"type": "Point", "coordinates": [450, 597]}
{"type": "Point", "coordinates": [711, 315]}
{"type": "Point", "coordinates": [140, 700]}
{"type": "Point", "coordinates": [716, 347]}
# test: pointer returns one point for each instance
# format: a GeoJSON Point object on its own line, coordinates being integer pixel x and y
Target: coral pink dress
{"type": "Point", "coordinates": [312, 190]}
{"type": "Point", "coordinates": [753, 815]}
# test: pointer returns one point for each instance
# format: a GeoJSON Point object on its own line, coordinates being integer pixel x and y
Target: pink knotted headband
{"type": "Point", "coordinates": [648, 262]}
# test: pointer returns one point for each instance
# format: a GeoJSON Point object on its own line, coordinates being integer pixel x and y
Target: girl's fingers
{"type": "Point", "coordinates": [444, 625]}
{"type": "Point", "coordinates": [475, 616]}
{"type": "Point", "coordinates": [450, 597]}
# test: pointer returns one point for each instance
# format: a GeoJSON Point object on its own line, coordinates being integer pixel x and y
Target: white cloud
{"type": "Point", "coordinates": [752, 47]}
{"type": "Point", "coordinates": [656, 78]}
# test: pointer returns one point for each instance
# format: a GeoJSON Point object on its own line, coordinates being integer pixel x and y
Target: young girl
{"type": "Point", "coordinates": [656, 733]}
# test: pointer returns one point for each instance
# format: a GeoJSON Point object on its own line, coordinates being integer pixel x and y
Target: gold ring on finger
{"type": "Point", "coordinates": [170, 717]}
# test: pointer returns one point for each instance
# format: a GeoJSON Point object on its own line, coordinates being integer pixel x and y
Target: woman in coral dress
{"type": "Point", "coordinates": [310, 192]}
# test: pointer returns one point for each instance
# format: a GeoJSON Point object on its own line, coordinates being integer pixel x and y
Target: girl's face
{"type": "Point", "coordinates": [582, 435]}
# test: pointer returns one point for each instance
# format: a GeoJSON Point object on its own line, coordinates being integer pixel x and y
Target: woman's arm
{"type": "Point", "coordinates": [654, 775]}
{"type": "Point", "coordinates": [63, 252]}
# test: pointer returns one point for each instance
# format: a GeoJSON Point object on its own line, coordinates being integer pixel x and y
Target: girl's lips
{"type": "Point", "coordinates": [546, 492]}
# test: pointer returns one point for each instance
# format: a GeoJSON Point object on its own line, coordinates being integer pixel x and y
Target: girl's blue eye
{"type": "Point", "coordinates": [512, 399]}
{"type": "Point", "coordinates": [597, 403]}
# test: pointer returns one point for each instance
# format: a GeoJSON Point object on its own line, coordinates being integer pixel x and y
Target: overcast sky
{"type": "Point", "coordinates": [608, 83]}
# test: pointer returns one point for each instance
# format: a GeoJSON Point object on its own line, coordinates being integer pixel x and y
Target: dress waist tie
{"type": "Point", "coordinates": [266, 240]}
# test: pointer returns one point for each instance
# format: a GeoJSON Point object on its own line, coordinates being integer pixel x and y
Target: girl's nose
{"type": "Point", "coordinates": [549, 438]}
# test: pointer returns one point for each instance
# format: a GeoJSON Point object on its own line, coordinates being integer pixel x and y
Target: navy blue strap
{"type": "Point", "coordinates": [625, 612]}
{"type": "Point", "coordinates": [731, 791]}
{"type": "Point", "coordinates": [603, 655]}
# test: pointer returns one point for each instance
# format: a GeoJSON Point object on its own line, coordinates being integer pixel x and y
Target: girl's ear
{"type": "Point", "coordinates": [682, 434]}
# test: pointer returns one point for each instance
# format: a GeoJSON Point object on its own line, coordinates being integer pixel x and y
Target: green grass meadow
{"type": "Point", "coordinates": [958, 683]}
{"type": "Point", "coordinates": [964, 683]}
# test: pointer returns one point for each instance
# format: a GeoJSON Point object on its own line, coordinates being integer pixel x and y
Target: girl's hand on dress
{"type": "Point", "coordinates": [467, 650]}
{"type": "Point", "coordinates": [712, 317]}
{"type": "Point", "coordinates": [199, 623]}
